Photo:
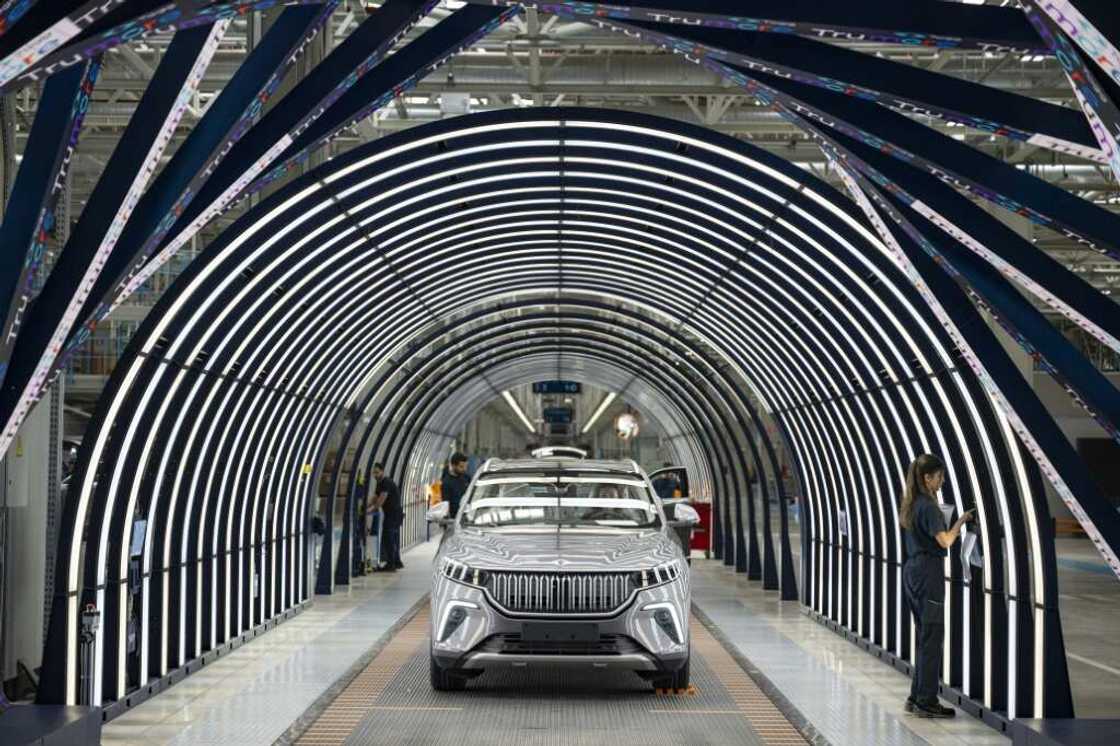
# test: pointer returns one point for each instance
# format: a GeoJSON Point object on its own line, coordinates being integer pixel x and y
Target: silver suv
{"type": "Point", "coordinates": [560, 563]}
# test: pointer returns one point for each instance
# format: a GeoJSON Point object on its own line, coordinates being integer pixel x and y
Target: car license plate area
{"type": "Point", "coordinates": [559, 632]}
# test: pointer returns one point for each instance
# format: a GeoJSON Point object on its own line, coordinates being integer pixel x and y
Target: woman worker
{"type": "Point", "coordinates": [923, 578]}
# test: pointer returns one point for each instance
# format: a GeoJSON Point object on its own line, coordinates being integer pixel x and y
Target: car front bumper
{"type": "Point", "coordinates": [465, 624]}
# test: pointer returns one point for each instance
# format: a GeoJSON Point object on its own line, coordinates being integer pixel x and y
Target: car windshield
{"type": "Point", "coordinates": [564, 501]}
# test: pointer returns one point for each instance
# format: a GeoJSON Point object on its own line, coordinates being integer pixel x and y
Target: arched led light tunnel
{"type": "Point", "coordinates": [397, 438]}
{"type": "Point", "coordinates": [565, 350]}
{"type": "Point", "coordinates": [438, 380]}
{"type": "Point", "coordinates": [424, 448]}
{"type": "Point", "coordinates": [411, 279]}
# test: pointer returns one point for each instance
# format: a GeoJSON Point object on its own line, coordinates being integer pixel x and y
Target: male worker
{"type": "Point", "coordinates": [455, 482]}
{"type": "Point", "coordinates": [387, 497]}
{"type": "Point", "coordinates": [665, 485]}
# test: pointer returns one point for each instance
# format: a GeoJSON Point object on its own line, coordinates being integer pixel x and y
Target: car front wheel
{"type": "Point", "coordinates": [443, 680]}
{"type": "Point", "coordinates": [678, 679]}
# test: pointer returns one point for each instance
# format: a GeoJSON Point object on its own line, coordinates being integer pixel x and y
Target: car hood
{"type": "Point", "coordinates": [567, 549]}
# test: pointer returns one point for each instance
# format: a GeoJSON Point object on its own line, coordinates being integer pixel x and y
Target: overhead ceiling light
{"type": "Point", "coordinates": [517, 408]}
{"type": "Point", "coordinates": [626, 425]}
{"type": "Point", "coordinates": [599, 411]}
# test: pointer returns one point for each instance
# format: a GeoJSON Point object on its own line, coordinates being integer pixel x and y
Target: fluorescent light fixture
{"type": "Point", "coordinates": [517, 408]}
{"type": "Point", "coordinates": [598, 412]}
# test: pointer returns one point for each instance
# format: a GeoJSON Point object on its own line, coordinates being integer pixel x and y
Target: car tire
{"type": "Point", "coordinates": [443, 680]}
{"type": "Point", "coordinates": [678, 679]}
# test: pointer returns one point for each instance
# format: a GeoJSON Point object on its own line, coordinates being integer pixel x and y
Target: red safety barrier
{"type": "Point", "coordinates": [702, 535]}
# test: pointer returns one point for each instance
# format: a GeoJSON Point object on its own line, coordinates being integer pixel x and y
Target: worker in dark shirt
{"type": "Point", "coordinates": [665, 486]}
{"type": "Point", "coordinates": [387, 497]}
{"type": "Point", "coordinates": [455, 482]}
{"type": "Point", "coordinates": [927, 541]}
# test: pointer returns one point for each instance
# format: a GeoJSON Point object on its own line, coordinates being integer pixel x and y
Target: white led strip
{"type": "Point", "coordinates": [148, 167]}
{"type": "Point", "coordinates": [771, 395]}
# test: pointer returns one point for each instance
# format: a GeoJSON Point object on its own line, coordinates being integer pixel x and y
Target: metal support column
{"type": "Point", "coordinates": [54, 495]}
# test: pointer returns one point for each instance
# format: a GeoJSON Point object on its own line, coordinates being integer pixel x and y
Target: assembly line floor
{"type": "Point", "coordinates": [352, 669]}
{"type": "Point", "coordinates": [391, 702]}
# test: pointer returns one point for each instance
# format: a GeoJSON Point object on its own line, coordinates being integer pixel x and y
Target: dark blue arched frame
{"type": "Point", "coordinates": [265, 374]}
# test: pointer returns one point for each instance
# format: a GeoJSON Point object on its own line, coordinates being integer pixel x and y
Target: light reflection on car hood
{"type": "Point", "coordinates": [570, 549]}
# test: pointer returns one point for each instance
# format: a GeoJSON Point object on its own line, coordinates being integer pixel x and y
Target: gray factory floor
{"type": "Point", "coordinates": [284, 685]}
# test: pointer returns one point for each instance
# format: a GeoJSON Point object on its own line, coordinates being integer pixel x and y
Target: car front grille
{"type": "Point", "coordinates": [513, 644]}
{"type": "Point", "coordinates": [560, 592]}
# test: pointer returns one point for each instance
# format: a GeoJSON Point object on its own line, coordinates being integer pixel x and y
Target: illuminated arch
{"type": "Point", "coordinates": [644, 241]}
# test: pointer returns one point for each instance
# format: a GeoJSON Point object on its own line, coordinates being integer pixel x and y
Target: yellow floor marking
{"type": "Point", "coordinates": [415, 708]}
{"type": "Point", "coordinates": [700, 712]}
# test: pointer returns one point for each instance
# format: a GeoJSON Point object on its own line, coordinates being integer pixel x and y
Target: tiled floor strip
{"type": "Point", "coordinates": [765, 717]}
{"type": "Point", "coordinates": [356, 700]}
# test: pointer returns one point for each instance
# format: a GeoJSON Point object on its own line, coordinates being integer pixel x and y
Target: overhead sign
{"type": "Point", "coordinates": [556, 387]}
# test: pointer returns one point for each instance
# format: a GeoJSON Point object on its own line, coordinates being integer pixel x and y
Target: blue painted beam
{"type": "Point", "coordinates": [952, 161]}
{"type": "Point", "coordinates": [894, 84]}
{"type": "Point", "coordinates": [363, 48]}
{"type": "Point", "coordinates": [399, 73]}
{"type": "Point", "coordinates": [353, 59]}
{"type": "Point", "coordinates": [50, 315]}
{"type": "Point", "coordinates": [1016, 257]}
{"type": "Point", "coordinates": [226, 121]}
{"type": "Point", "coordinates": [926, 23]}
{"type": "Point", "coordinates": [1033, 332]}
{"type": "Point", "coordinates": [30, 215]}
{"type": "Point", "coordinates": [81, 36]}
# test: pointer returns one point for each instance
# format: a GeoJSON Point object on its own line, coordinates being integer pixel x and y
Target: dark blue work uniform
{"type": "Point", "coordinates": [452, 489]}
{"type": "Point", "coordinates": [923, 585]}
{"type": "Point", "coordinates": [394, 517]}
{"type": "Point", "coordinates": [664, 487]}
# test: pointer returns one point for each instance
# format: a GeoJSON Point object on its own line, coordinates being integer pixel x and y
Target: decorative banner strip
{"type": "Point", "coordinates": [20, 69]}
{"type": "Point", "coordinates": [138, 275]}
{"type": "Point", "coordinates": [1099, 109]}
{"type": "Point", "coordinates": [45, 43]}
{"type": "Point", "coordinates": [1013, 256]}
{"type": "Point", "coordinates": [853, 182]}
{"type": "Point", "coordinates": [294, 160]}
{"type": "Point", "coordinates": [46, 366]}
{"type": "Point", "coordinates": [1079, 28]}
{"type": "Point", "coordinates": [831, 146]}
{"type": "Point", "coordinates": [797, 111]}
{"type": "Point", "coordinates": [41, 199]}
{"type": "Point", "coordinates": [882, 129]}
{"type": "Point", "coordinates": [286, 40]}
{"type": "Point", "coordinates": [899, 86]}
{"type": "Point", "coordinates": [139, 272]}
{"type": "Point", "coordinates": [57, 356]}
{"type": "Point", "coordinates": [215, 209]}
{"type": "Point", "coordinates": [933, 25]}
{"type": "Point", "coordinates": [11, 12]}
{"type": "Point", "coordinates": [989, 291]}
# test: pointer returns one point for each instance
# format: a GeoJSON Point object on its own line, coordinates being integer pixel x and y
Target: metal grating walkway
{"type": "Point", "coordinates": [390, 702]}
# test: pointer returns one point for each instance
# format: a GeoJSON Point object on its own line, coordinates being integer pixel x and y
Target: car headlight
{"type": "Point", "coordinates": [665, 614]}
{"type": "Point", "coordinates": [462, 573]}
{"type": "Point", "coordinates": [454, 614]}
{"type": "Point", "coordinates": [659, 575]}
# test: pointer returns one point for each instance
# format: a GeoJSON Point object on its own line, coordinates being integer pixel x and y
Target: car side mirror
{"type": "Point", "coordinates": [684, 516]}
{"type": "Point", "coordinates": [439, 513]}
